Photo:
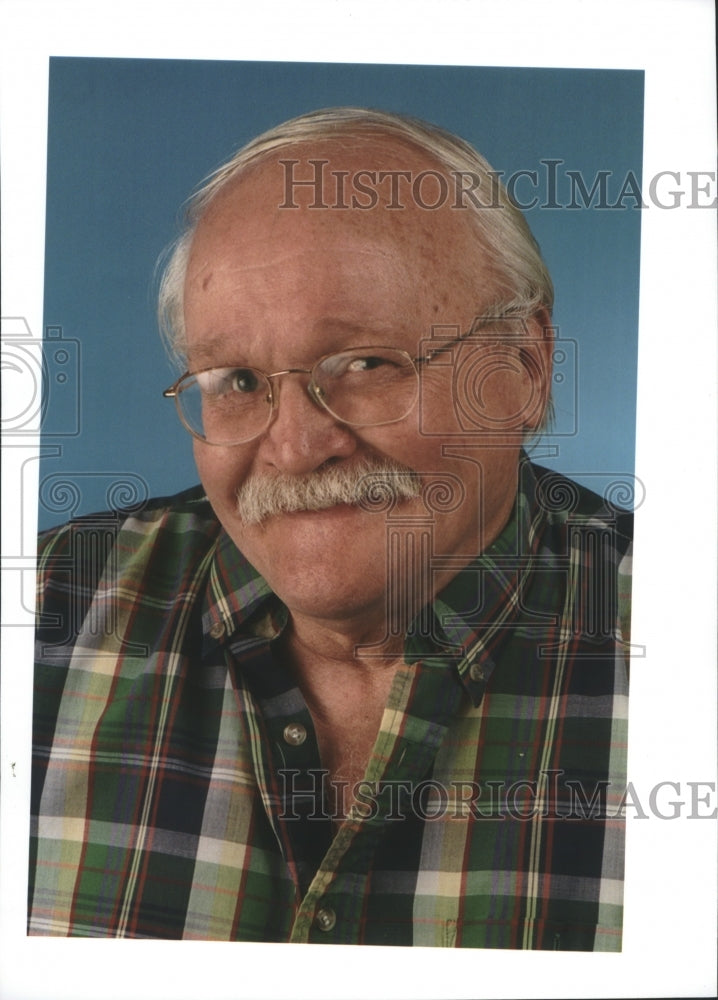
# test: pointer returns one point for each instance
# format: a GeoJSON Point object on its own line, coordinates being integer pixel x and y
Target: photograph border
{"type": "Point", "coordinates": [672, 729]}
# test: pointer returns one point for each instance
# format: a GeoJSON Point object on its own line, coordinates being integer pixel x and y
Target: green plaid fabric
{"type": "Point", "coordinates": [178, 790]}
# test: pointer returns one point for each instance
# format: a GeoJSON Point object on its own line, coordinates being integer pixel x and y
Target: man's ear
{"type": "Point", "coordinates": [537, 355]}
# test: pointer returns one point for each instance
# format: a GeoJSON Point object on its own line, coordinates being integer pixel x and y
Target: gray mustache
{"type": "Point", "coordinates": [364, 484]}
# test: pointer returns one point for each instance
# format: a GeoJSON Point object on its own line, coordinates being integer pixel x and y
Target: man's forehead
{"type": "Point", "coordinates": [376, 194]}
{"type": "Point", "coordinates": [319, 212]}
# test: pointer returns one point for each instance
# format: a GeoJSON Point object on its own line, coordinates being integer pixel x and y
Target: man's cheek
{"type": "Point", "coordinates": [220, 472]}
{"type": "Point", "coordinates": [436, 413]}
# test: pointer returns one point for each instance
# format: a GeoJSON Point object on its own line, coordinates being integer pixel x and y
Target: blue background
{"type": "Point", "coordinates": [128, 141]}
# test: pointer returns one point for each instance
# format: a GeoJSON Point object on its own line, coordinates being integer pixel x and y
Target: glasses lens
{"type": "Point", "coordinates": [368, 385]}
{"type": "Point", "coordinates": [225, 405]}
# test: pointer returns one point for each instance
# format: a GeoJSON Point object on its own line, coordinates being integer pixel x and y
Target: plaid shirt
{"type": "Point", "coordinates": [178, 790]}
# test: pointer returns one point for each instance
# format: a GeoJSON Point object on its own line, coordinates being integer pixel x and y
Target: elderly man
{"type": "Point", "coordinates": [367, 684]}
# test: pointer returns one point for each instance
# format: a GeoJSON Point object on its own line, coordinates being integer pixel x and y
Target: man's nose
{"type": "Point", "coordinates": [303, 434]}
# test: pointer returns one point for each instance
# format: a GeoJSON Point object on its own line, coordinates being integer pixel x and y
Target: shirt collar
{"type": "Point", "coordinates": [470, 616]}
{"type": "Point", "coordinates": [238, 598]}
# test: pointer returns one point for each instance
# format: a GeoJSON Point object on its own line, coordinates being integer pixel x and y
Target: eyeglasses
{"type": "Point", "coordinates": [362, 387]}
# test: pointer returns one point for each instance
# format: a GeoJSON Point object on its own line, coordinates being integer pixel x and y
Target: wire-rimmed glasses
{"type": "Point", "coordinates": [360, 386]}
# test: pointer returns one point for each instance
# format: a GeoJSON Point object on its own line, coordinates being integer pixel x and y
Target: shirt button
{"type": "Point", "coordinates": [476, 672]}
{"type": "Point", "coordinates": [325, 919]}
{"type": "Point", "coordinates": [217, 630]}
{"type": "Point", "coordinates": [295, 734]}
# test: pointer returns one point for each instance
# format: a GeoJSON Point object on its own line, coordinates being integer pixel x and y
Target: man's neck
{"type": "Point", "coordinates": [310, 645]}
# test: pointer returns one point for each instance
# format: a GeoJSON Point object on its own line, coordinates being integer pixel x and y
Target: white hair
{"type": "Point", "coordinates": [525, 283]}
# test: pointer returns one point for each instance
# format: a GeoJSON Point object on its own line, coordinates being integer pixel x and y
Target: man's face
{"type": "Point", "coordinates": [276, 288]}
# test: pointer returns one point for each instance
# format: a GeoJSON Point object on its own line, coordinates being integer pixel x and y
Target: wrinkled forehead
{"type": "Point", "coordinates": [353, 192]}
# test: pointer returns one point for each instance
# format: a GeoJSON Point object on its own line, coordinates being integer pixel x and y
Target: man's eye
{"type": "Point", "coordinates": [243, 380]}
{"type": "Point", "coordinates": [217, 383]}
{"type": "Point", "coordinates": [366, 364]}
